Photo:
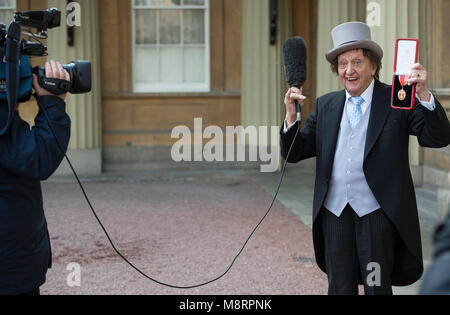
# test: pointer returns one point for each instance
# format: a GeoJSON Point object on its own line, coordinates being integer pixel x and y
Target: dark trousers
{"type": "Point", "coordinates": [358, 251]}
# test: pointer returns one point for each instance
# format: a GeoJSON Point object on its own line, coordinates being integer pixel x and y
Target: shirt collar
{"type": "Point", "coordinates": [367, 95]}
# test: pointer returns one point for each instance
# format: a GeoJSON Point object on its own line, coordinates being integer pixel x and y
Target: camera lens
{"type": "Point", "coordinates": [80, 76]}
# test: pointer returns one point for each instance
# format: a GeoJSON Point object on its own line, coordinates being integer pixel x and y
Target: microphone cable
{"type": "Point", "coordinates": [131, 264]}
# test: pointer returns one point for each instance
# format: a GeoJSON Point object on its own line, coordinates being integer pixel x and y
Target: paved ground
{"type": "Point", "coordinates": [184, 228]}
{"type": "Point", "coordinates": [179, 228]}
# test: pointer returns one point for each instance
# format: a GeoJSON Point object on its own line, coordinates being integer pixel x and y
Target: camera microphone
{"type": "Point", "coordinates": [40, 20]}
{"type": "Point", "coordinates": [295, 56]}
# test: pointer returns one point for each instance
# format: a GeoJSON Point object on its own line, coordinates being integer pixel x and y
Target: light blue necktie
{"type": "Point", "coordinates": [356, 112]}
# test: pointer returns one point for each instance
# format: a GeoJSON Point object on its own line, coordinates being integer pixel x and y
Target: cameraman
{"type": "Point", "coordinates": [26, 158]}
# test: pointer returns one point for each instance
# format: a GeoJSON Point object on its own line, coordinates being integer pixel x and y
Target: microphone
{"type": "Point", "coordinates": [294, 56]}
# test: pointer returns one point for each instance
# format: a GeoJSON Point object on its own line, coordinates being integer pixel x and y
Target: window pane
{"type": "Point", "coordinates": [194, 2]}
{"type": "Point", "coordinates": [146, 2]}
{"type": "Point", "coordinates": [194, 26]}
{"type": "Point", "coordinates": [171, 61]}
{"type": "Point", "coordinates": [170, 2]}
{"type": "Point", "coordinates": [147, 61]}
{"type": "Point", "coordinates": [7, 8]}
{"type": "Point", "coordinates": [7, 3]}
{"type": "Point", "coordinates": [170, 28]}
{"type": "Point", "coordinates": [146, 27]}
{"type": "Point", "coordinates": [194, 65]}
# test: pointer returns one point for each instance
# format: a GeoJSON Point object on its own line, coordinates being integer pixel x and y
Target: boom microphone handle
{"type": "Point", "coordinates": [298, 108]}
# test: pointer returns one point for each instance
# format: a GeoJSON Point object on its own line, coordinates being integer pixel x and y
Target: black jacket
{"type": "Point", "coordinates": [386, 165]}
{"type": "Point", "coordinates": [26, 158]}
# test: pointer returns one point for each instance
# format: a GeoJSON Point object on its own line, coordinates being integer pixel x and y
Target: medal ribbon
{"type": "Point", "coordinates": [402, 79]}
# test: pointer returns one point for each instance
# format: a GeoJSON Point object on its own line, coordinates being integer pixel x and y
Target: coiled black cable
{"type": "Point", "coordinates": [136, 268]}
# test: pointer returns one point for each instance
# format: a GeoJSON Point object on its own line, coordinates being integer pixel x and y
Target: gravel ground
{"type": "Point", "coordinates": [180, 231]}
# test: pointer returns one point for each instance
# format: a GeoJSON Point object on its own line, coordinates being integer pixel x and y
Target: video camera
{"type": "Point", "coordinates": [16, 73]}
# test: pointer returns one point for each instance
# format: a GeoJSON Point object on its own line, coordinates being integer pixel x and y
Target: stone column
{"type": "Point", "coordinates": [263, 80]}
{"type": "Point", "coordinates": [398, 19]}
{"type": "Point", "coordinates": [85, 149]}
{"type": "Point", "coordinates": [332, 13]}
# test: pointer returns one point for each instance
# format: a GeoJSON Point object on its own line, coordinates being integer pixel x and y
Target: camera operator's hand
{"type": "Point", "coordinates": [53, 69]}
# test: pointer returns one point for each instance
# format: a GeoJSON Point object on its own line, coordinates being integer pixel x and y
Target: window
{"type": "Point", "coordinates": [7, 9]}
{"type": "Point", "coordinates": [171, 46]}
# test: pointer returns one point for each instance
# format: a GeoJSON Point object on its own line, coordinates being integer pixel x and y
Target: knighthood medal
{"type": "Point", "coordinates": [402, 93]}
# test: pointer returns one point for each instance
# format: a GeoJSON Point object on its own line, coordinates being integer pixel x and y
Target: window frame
{"type": "Point", "coordinates": [187, 87]}
{"type": "Point", "coordinates": [14, 7]}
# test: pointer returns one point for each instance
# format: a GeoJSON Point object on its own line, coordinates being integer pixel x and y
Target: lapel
{"type": "Point", "coordinates": [332, 122]}
{"type": "Point", "coordinates": [379, 112]}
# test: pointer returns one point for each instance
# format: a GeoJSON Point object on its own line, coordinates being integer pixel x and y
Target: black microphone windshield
{"type": "Point", "coordinates": [294, 56]}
